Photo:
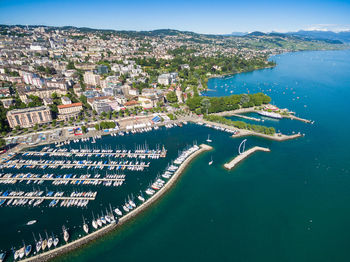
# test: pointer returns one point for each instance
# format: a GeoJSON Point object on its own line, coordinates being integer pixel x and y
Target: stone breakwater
{"type": "Point", "coordinates": [244, 155]}
{"type": "Point", "coordinates": [100, 232]}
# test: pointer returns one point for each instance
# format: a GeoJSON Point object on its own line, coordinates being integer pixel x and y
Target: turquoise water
{"type": "Point", "coordinates": [291, 204]}
{"type": "Point", "coordinates": [288, 205]}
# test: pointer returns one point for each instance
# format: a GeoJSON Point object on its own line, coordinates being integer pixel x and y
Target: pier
{"type": "Point", "coordinates": [47, 197]}
{"type": "Point", "coordinates": [46, 256]}
{"type": "Point", "coordinates": [99, 153]}
{"type": "Point", "coordinates": [293, 117]}
{"type": "Point", "coordinates": [63, 179]}
{"type": "Point", "coordinates": [64, 164]}
{"type": "Point", "coordinates": [244, 155]}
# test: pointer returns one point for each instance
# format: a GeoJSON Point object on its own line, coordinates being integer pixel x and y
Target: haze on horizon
{"type": "Point", "coordinates": [220, 17]}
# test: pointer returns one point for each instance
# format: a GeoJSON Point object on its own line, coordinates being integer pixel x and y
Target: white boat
{"type": "Point", "coordinates": [99, 222]}
{"type": "Point", "coordinates": [85, 227]}
{"type": "Point", "coordinates": [21, 252]}
{"type": "Point", "coordinates": [38, 244]}
{"type": "Point", "coordinates": [141, 198]}
{"type": "Point", "coordinates": [209, 140]}
{"type": "Point", "coordinates": [118, 212]}
{"type": "Point", "coordinates": [94, 224]}
{"type": "Point", "coordinates": [211, 161]}
{"type": "Point", "coordinates": [55, 242]}
{"type": "Point", "coordinates": [270, 114]}
{"type": "Point", "coordinates": [16, 254]}
{"type": "Point", "coordinates": [31, 222]}
{"type": "Point", "coordinates": [65, 234]}
{"type": "Point", "coordinates": [49, 242]}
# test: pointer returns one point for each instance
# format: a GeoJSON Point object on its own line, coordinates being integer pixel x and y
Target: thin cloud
{"type": "Point", "coordinates": [328, 27]}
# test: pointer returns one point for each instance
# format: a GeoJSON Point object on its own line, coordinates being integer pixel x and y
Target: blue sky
{"type": "Point", "coordinates": [217, 17]}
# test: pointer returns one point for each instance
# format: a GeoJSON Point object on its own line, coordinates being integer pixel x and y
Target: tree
{"type": "Point", "coordinates": [171, 97]}
{"type": "Point", "coordinates": [244, 99]}
{"type": "Point", "coordinates": [36, 127]}
{"type": "Point", "coordinates": [70, 65]}
{"type": "Point", "coordinates": [2, 142]}
{"type": "Point", "coordinates": [205, 105]}
{"type": "Point", "coordinates": [84, 129]}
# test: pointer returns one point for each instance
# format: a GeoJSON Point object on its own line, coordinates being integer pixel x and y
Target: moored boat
{"type": "Point", "coordinates": [65, 234]}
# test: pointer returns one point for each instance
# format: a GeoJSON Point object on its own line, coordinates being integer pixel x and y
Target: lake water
{"type": "Point", "coordinates": [291, 204]}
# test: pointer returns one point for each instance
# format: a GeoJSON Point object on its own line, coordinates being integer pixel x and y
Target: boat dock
{"type": "Point", "coordinates": [152, 154]}
{"type": "Point", "coordinates": [75, 164]}
{"type": "Point", "coordinates": [64, 179]}
{"type": "Point", "coordinates": [48, 197]}
{"type": "Point", "coordinates": [244, 155]}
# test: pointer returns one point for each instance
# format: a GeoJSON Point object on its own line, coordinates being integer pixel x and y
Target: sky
{"type": "Point", "coordinates": [211, 17]}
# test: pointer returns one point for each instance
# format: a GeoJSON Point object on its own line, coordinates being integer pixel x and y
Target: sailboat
{"type": "Point", "coordinates": [55, 241]}
{"type": "Point", "coordinates": [65, 234]}
{"type": "Point", "coordinates": [85, 226]}
{"type": "Point", "coordinates": [211, 161]}
{"type": "Point", "coordinates": [209, 140]}
{"type": "Point", "coordinates": [94, 223]}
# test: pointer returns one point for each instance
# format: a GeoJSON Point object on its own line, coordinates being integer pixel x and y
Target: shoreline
{"type": "Point", "coordinates": [244, 132]}
{"type": "Point", "coordinates": [241, 72]}
{"type": "Point", "coordinates": [109, 228]}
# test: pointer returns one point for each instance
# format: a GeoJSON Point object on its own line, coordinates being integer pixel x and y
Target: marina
{"type": "Point", "coordinates": [67, 164]}
{"type": "Point", "coordinates": [109, 221]}
{"type": "Point", "coordinates": [86, 179]}
{"type": "Point", "coordinates": [47, 151]}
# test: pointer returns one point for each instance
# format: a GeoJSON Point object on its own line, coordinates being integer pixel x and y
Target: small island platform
{"type": "Point", "coordinates": [244, 155]}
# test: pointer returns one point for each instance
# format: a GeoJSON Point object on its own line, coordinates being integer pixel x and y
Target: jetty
{"type": "Point", "coordinates": [46, 256]}
{"type": "Point", "coordinates": [244, 155]}
{"type": "Point", "coordinates": [293, 117]}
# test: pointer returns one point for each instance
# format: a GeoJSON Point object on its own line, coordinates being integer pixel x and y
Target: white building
{"type": "Point", "coordinates": [91, 79]}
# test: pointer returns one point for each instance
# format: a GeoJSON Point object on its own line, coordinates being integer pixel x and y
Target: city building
{"type": "Point", "coordinates": [29, 117]}
{"type": "Point", "coordinates": [91, 79]}
{"type": "Point", "coordinates": [102, 69]}
{"type": "Point", "coordinates": [68, 111]}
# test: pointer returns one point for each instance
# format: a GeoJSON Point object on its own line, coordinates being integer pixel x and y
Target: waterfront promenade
{"type": "Point", "coordinates": [244, 155]}
{"type": "Point", "coordinates": [102, 231]}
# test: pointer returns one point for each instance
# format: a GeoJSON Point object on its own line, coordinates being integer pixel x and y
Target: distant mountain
{"type": "Point", "coordinates": [256, 33]}
{"type": "Point", "coordinates": [324, 35]}
{"type": "Point", "coordinates": [238, 33]}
